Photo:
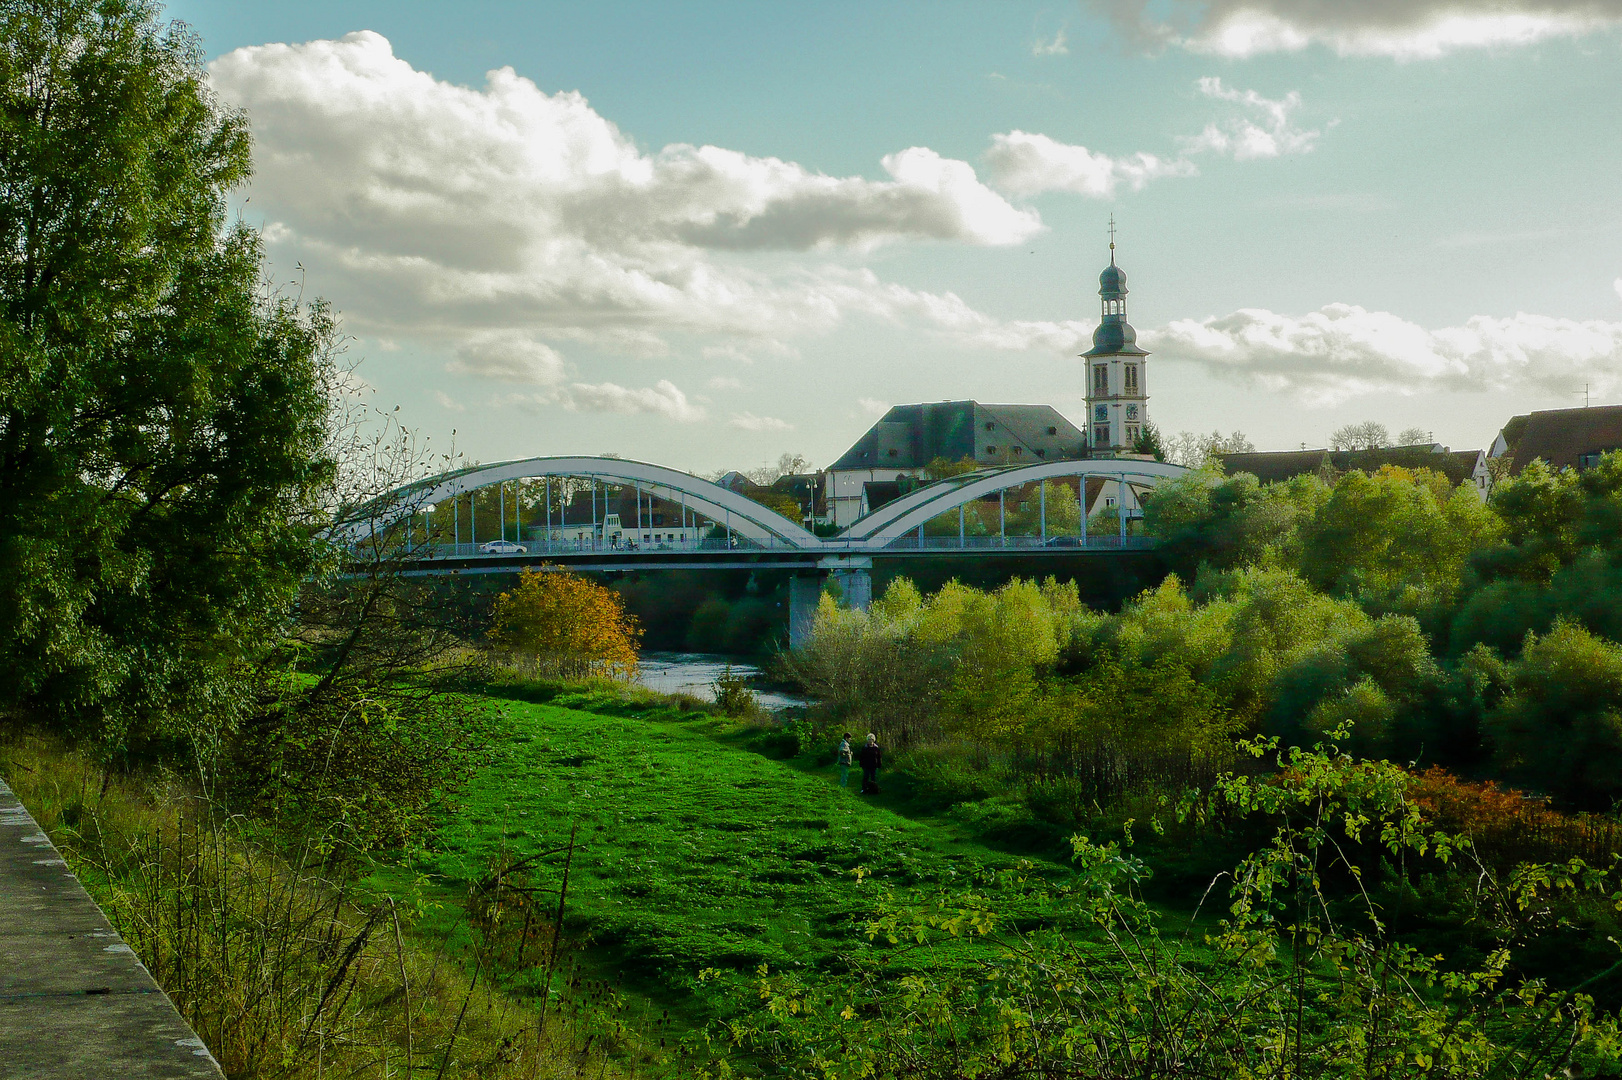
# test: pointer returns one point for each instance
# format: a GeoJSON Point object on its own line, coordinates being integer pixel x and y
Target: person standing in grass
{"type": "Point", "coordinates": [842, 758]}
{"type": "Point", "coordinates": [870, 759]}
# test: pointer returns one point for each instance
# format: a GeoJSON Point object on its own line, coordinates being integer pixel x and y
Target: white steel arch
{"type": "Point", "coordinates": [742, 516]}
{"type": "Point", "coordinates": [897, 518]}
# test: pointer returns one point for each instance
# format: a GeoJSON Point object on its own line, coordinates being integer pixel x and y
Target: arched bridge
{"type": "Point", "coordinates": [602, 513]}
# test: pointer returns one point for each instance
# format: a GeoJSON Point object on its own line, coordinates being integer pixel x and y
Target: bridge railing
{"type": "Point", "coordinates": [1106, 542]}
{"type": "Point", "coordinates": [600, 547]}
{"type": "Point", "coordinates": [833, 545]}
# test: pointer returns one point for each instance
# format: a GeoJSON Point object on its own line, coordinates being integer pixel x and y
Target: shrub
{"type": "Point", "coordinates": [566, 625]}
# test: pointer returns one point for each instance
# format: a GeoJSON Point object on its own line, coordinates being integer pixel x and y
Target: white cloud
{"type": "Point", "coordinates": [746, 352]}
{"type": "Point", "coordinates": [1243, 137]}
{"type": "Point", "coordinates": [1342, 350]}
{"type": "Point", "coordinates": [1399, 29]}
{"type": "Point", "coordinates": [873, 406]}
{"type": "Point", "coordinates": [508, 356]}
{"type": "Point", "coordinates": [1617, 284]}
{"type": "Point", "coordinates": [1055, 47]}
{"type": "Point", "coordinates": [662, 399]}
{"type": "Point", "coordinates": [490, 221]}
{"type": "Point", "coordinates": [747, 421]}
{"type": "Point", "coordinates": [448, 402]}
{"type": "Point", "coordinates": [1026, 164]}
{"type": "Point", "coordinates": [724, 382]}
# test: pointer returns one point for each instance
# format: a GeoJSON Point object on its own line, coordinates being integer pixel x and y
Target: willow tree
{"type": "Point", "coordinates": [162, 412]}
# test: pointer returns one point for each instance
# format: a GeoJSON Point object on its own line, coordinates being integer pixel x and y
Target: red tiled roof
{"type": "Point", "coordinates": [1561, 436]}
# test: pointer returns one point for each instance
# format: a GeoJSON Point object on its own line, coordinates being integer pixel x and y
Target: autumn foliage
{"type": "Point", "coordinates": [566, 626]}
{"type": "Point", "coordinates": [1508, 826]}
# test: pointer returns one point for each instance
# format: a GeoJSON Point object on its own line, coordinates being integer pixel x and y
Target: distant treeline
{"type": "Point", "coordinates": [1390, 611]}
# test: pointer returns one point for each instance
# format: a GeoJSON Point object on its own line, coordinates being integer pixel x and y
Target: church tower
{"type": "Point", "coordinates": [1117, 391]}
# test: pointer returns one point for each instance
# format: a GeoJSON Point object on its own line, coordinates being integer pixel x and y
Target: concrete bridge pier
{"type": "Point", "coordinates": [852, 573]}
{"type": "Point", "coordinates": [804, 590]}
{"type": "Point", "coordinates": [855, 585]}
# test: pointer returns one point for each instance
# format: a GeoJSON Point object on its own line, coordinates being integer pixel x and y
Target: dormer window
{"type": "Point", "coordinates": [991, 425]}
{"type": "Point", "coordinates": [991, 449]}
{"type": "Point", "coordinates": [1018, 450]}
{"type": "Point", "coordinates": [1053, 431]}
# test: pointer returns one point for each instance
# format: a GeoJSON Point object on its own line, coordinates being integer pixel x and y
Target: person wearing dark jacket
{"type": "Point", "coordinates": [870, 759]}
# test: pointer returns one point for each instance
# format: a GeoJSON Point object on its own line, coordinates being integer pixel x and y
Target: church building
{"type": "Point", "coordinates": [895, 452]}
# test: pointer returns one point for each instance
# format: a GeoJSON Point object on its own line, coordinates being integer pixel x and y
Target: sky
{"type": "Point", "coordinates": [703, 234]}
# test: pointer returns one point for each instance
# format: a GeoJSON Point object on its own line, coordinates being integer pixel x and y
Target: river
{"type": "Point", "coordinates": [695, 674]}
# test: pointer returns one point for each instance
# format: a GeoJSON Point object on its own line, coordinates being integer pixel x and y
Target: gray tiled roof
{"type": "Point", "coordinates": [911, 436]}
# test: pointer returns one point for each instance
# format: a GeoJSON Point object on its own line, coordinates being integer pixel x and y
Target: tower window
{"type": "Point", "coordinates": [1101, 435]}
{"type": "Point", "coordinates": [1100, 380]}
{"type": "Point", "coordinates": [1131, 378]}
{"type": "Point", "coordinates": [1131, 434]}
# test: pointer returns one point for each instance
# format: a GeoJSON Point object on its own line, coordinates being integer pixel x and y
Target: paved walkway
{"type": "Point", "coordinates": [75, 1003]}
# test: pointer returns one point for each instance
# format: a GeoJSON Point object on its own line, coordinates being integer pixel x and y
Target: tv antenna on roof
{"type": "Point", "coordinates": [1584, 393]}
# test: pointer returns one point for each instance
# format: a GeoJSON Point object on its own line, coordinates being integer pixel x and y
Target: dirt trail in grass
{"type": "Point", "coordinates": [693, 854]}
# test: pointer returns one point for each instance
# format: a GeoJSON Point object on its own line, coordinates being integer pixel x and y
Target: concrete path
{"type": "Point", "coordinates": [75, 1003]}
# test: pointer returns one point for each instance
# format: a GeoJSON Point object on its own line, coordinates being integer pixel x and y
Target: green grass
{"type": "Point", "coordinates": [693, 851]}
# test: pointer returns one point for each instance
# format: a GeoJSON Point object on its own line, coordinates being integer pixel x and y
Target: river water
{"type": "Point", "coordinates": [695, 674]}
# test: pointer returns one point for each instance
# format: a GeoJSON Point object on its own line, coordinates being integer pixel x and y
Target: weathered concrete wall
{"type": "Point", "coordinates": [75, 1002]}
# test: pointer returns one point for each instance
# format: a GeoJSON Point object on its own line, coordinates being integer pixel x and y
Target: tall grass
{"type": "Point", "coordinates": [280, 962]}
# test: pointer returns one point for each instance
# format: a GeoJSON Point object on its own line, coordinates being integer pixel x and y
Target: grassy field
{"type": "Point", "coordinates": [694, 852]}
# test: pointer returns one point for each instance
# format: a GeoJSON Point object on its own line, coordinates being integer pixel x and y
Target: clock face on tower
{"type": "Point", "coordinates": [1131, 412]}
{"type": "Point", "coordinates": [1100, 412]}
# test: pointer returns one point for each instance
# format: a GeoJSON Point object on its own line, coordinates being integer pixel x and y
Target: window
{"type": "Point", "coordinates": [1100, 379]}
{"type": "Point", "coordinates": [1131, 378]}
{"type": "Point", "coordinates": [1041, 453]}
{"type": "Point", "coordinates": [1053, 431]}
{"type": "Point", "coordinates": [1018, 450]}
{"type": "Point", "coordinates": [1131, 434]}
{"type": "Point", "coordinates": [1590, 460]}
{"type": "Point", "coordinates": [1101, 435]}
{"type": "Point", "coordinates": [991, 425]}
{"type": "Point", "coordinates": [895, 453]}
{"type": "Point", "coordinates": [1109, 500]}
{"type": "Point", "coordinates": [991, 449]}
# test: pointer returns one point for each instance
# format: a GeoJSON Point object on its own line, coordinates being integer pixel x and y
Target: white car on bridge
{"type": "Point", "coordinates": [503, 547]}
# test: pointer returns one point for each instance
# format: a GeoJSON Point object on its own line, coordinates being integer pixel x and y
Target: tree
{"type": "Point", "coordinates": [787, 505]}
{"type": "Point", "coordinates": [163, 415]}
{"type": "Point", "coordinates": [1414, 437]}
{"type": "Point", "coordinates": [1192, 450]}
{"type": "Point", "coordinates": [787, 465]}
{"type": "Point", "coordinates": [1395, 531]}
{"type": "Point", "coordinates": [1148, 442]}
{"type": "Point", "coordinates": [568, 626]}
{"type": "Point", "coordinates": [1560, 727]}
{"type": "Point", "coordinates": [1368, 435]}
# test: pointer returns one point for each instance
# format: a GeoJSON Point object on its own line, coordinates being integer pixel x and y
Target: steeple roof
{"type": "Point", "coordinates": [1114, 336]}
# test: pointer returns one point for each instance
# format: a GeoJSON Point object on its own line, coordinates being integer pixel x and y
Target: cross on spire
{"type": "Point", "coordinates": [1112, 239]}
